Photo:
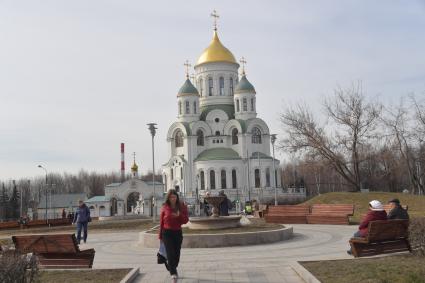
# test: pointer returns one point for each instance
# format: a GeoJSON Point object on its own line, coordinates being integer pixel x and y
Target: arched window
{"type": "Point", "coordinates": [210, 86]}
{"type": "Point", "coordinates": [181, 173]}
{"type": "Point", "coordinates": [252, 104]}
{"type": "Point", "coordinates": [194, 107]}
{"type": "Point", "coordinates": [221, 81]}
{"type": "Point", "coordinates": [234, 180]}
{"type": "Point", "coordinates": [202, 180]}
{"type": "Point", "coordinates": [201, 86]}
{"type": "Point", "coordinates": [180, 107]}
{"type": "Point", "coordinates": [244, 104]}
{"type": "Point", "coordinates": [237, 105]}
{"type": "Point", "coordinates": [235, 136]}
{"type": "Point", "coordinates": [200, 138]}
{"type": "Point", "coordinates": [212, 180]}
{"type": "Point", "coordinates": [187, 109]}
{"type": "Point", "coordinates": [179, 139]}
{"type": "Point", "coordinates": [256, 135]}
{"type": "Point", "coordinates": [257, 178]}
{"type": "Point", "coordinates": [268, 177]}
{"type": "Point", "coordinates": [172, 174]}
{"type": "Point", "coordinates": [231, 86]}
{"type": "Point", "coordinates": [223, 179]}
{"type": "Point", "coordinates": [217, 133]}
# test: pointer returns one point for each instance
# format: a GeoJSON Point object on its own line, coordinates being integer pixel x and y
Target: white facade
{"type": "Point", "coordinates": [220, 144]}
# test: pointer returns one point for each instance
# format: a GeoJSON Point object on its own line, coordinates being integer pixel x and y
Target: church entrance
{"type": "Point", "coordinates": [132, 201]}
{"type": "Point", "coordinates": [114, 206]}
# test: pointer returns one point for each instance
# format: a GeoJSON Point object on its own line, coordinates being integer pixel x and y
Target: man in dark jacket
{"type": "Point", "coordinates": [224, 205]}
{"type": "Point", "coordinates": [397, 212]}
{"type": "Point", "coordinates": [82, 217]}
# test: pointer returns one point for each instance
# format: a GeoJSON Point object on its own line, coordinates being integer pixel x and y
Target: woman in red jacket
{"type": "Point", "coordinates": [173, 215]}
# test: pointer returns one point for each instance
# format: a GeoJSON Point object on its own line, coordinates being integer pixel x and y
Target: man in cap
{"type": "Point", "coordinates": [376, 212]}
{"type": "Point", "coordinates": [397, 212]}
{"type": "Point", "coordinates": [82, 217]}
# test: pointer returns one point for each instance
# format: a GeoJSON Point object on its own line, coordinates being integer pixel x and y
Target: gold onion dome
{"type": "Point", "coordinates": [134, 168]}
{"type": "Point", "coordinates": [216, 52]}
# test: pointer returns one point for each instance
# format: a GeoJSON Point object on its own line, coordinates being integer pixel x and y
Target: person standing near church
{"type": "Point", "coordinates": [173, 215]}
{"type": "Point", "coordinates": [82, 218]}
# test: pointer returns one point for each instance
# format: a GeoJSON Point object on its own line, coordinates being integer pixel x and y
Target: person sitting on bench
{"type": "Point", "coordinates": [397, 212]}
{"type": "Point", "coordinates": [376, 212]}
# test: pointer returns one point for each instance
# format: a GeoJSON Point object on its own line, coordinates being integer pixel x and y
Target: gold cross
{"type": "Point", "coordinates": [187, 65]}
{"type": "Point", "coordinates": [215, 16]}
{"type": "Point", "coordinates": [243, 62]}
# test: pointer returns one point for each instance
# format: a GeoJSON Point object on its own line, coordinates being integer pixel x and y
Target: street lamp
{"type": "Point", "coordinates": [152, 129]}
{"type": "Point", "coordinates": [45, 170]}
{"type": "Point", "coordinates": [273, 140]}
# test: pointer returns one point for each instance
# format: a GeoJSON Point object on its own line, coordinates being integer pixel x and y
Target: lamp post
{"type": "Point", "coordinates": [152, 129]}
{"type": "Point", "coordinates": [45, 170]}
{"type": "Point", "coordinates": [273, 140]}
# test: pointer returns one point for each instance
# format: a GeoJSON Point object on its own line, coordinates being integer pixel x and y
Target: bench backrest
{"type": "Point", "coordinates": [53, 243]}
{"type": "Point", "coordinates": [333, 209]}
{"type": "Point", "coordinates": [289, 209]}
{"type": "Point", "coordinates": [381, 230]}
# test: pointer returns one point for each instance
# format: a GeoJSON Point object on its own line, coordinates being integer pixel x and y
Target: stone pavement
{"type": "Point", "coordinates": [260, 263]}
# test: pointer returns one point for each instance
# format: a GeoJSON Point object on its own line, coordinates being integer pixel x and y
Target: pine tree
{"type": "Point", "coordinates": [4, 203]}
{"type": "Point", "coordinates": [14, 203]}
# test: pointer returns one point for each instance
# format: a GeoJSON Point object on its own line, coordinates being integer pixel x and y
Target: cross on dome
{"type": "Point", "coordinates": [215, 16]}
{"type": "Point", "coordinates": [243, 63]}
{"type": "Point", "coordinates": [187, 66]}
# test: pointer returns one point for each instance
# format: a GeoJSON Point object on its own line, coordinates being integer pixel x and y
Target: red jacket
{"type": "Point", "coordinates": [168, 219]}
{"type": "Point", "coordinates": [371, 216]}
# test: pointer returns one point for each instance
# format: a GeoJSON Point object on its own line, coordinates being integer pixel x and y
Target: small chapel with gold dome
{"type": "Point", "coordinates": [218, 142]}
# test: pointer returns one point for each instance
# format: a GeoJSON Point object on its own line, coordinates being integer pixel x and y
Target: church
{"type": "Point", "coordinates": [218, 142]}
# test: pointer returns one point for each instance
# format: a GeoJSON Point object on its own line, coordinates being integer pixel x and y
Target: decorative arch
{"type": "Point", "coordinates": [201, 125]}
{"type": "Point", "coordinates": [184, 127]}
{"type": "Point", "coordinates": [259, 123]}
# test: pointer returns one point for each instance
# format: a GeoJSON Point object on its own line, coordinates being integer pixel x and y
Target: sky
{"type": "Point", "coordinates": [79, 77]}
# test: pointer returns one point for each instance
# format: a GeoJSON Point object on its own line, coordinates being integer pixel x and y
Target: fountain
{"type": "Point", "coordinates": [214, 221]}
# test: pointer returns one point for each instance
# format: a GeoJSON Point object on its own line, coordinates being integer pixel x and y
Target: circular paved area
{"type": "Point", "coordinates": [261, 263]}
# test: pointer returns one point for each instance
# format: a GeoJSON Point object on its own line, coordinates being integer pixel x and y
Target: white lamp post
{"type": "Point", "coordinates": [152, 129]}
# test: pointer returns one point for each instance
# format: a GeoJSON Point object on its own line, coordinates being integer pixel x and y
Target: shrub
{"type": "Point", "coordinates": [417, 235]}
{"type": "Point", "coordinates": [17, 267]}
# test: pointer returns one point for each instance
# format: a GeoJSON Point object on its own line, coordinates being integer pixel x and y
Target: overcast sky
{"type": "Point", "coordinates": [79, 77]}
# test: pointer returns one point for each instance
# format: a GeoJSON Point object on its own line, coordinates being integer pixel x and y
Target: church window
{"type": "Point", "coordinates": [217, 133]}
{"type": "Point", "coordinates": [210, 86]}
{"type": "Point", "coordinates": [256, 135]}
{"type": "Point", "coordinates": [202, 180]}
{"type": "Point", "coordinates": [234, 180]}
{"type": "Point", "coordinates": [235, 136]}
{"type": "Point", "coordinates": [244, 105]}
{"type": "Point", "coordinates": [252, 104]}
{"type": "Point", "coordinates": [237, 105]}
{"type": "Point", "coordinates": [180, 107]}
{"type": "Point", "coordinates": [223, 179]}
{"type": "Point", "coordinates": [231, 86]}
{"type": "Point", "coordinates": [201, 86]}
{"type": "Point", "coordinates": [172, 174]}
{"type": "Point", "coordinates": [194, 107]}
{"type": "Point", "coordinates": [212, 180]}
{"type": "Point", "coordinates": [179, 139]}
{"type": "Point", "coordinates": [187, 109]}
{"type": "Point", "coordinates": [200, 138]}
{"type": "Point", "coordinates": [221, 80]}
{"type": "Point", "coordinates": [257, 178]}
{"type": "Point", "coordinates": [181, 173]}
{"type": "Point", "coordinates": [268, 177]}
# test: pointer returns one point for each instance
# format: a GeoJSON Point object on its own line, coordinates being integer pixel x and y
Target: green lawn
{"type": "Point", "coordinates": [388, 269]}
{"type": "Point", "coordinates": [361, 201]}
{"type": "Point", "coordinates": [88, 276]}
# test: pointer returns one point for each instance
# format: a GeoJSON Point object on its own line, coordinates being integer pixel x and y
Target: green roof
{"type": "Point", "coordinates": [227, 108]}
{"type": "Point", "coordinates": [254, 155]}
{"type": "Point", "coordinates": [244, 86]}
{"type": "Point", "coordinates": [218, 154]}
{"type": "Point", "coordinates": [188, 89]}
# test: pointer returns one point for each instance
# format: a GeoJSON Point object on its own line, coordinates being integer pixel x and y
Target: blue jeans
{"type": "Point", "coordinates": [81, 225]}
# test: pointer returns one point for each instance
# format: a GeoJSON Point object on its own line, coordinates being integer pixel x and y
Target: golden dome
{"type": "Point", "coordinates": [216, 52]}
{"type": "Point", "coordinates": [134, 168]}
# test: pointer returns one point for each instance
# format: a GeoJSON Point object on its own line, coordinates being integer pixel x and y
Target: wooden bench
{"type": "Point", "coordinates": [337, 214]}
{"type": "Point", "coordinates": [55, 250]}
{"type": "Point", "coordinates": [287, 214]}
{"type": "Point", "coordinates": [384, 236]}
{"type": "Point", "coordinates": [9, 225]}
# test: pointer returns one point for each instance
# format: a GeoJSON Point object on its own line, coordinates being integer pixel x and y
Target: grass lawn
{"type": "Point", "coordinates": [89, 276]}
{"type": "Point", "coordinates": [388, 269]}
{"type": "Point", "coordinates": [361, 201]}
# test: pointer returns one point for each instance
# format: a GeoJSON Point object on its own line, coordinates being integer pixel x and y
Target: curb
{"type": "Point", "coordinates": [304, 273]}
{"type": "Point", "coordinates": [131, 275]}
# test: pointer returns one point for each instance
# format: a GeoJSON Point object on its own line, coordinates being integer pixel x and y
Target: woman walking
{"type": "Point", "coordinates": [173, 215]}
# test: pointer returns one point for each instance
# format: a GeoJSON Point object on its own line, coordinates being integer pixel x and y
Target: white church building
{"type": "Point", "coordinates": [218, 141]}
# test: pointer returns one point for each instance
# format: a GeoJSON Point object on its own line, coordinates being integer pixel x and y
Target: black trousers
{"type": "Point", "coordinates": [173, 243]}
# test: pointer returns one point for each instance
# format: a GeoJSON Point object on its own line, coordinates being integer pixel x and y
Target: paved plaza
{"type": "Point", "coordinates": [260, 263]}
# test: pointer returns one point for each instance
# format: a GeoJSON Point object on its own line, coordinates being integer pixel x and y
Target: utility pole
{"type": "Point", "coordinates": [152, 129]}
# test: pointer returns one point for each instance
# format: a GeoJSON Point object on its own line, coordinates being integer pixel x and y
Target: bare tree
{"type": "Point", "coordinates": [351, 126]}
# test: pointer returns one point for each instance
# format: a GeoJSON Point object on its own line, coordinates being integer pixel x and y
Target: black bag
{"type": "Point", "coordinates": [160, 258]}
